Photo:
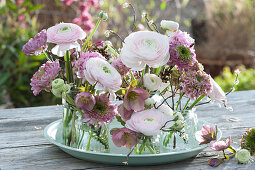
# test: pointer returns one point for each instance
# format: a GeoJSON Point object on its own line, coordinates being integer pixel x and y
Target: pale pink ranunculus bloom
{"type": "Point", "coordinates": [145, 47]}
{"type": "Point", "coordinates": [104, 74]}
{"type": "Point", "coordinates": [151, 81]}
{"type": "Point", "coordinates": [65, 36]}
{"type": "Point", "coordinates": [220, 145]}
{"type": "Point", "coordinates": [148, 122]}
{"type": "Point", "coordinates": [217, 93]}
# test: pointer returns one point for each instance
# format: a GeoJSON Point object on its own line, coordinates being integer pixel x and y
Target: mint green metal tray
{"type": "Point", "coordinates": [115, 156]}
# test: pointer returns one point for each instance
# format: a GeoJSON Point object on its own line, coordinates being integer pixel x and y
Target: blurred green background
{"type": "Point", "coordinates": [224, 31]}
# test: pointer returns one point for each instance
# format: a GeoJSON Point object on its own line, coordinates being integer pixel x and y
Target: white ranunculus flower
{"type": "Point", "coordinates": [169, 25]}
{"type": "Point", "coordinates": [243, 156]}
{"type": "Point", "coordinates": [151, 81]}
{"type": "Point", "coordinates": [217, 93]}
{"type": "Point", "coordinates": [145, 47]}
{"type": "Point", "coordinates": [164, 108]}
{"type": "Point", "coordinates": [65, 36]}
{"type": "Point", "coordinates": [106, 76]}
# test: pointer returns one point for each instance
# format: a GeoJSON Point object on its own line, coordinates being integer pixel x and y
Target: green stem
{"type": "Point", "coordinates": [179, 100]}
{"type": "Point", "coordinates": [73, 128]}
{"type": "Point", "coordinates": [186, 104]}
{"type": "Point", "coordinates": [132, 76]}
{"type": "Point", "coordinates": [69, 71]}
{"type": "Point", "coordinates": [91, 34]}
{"type": "Point", "coordinates": [90, 137]}
{"type": "Point", "coordinates": [196, 101]}
{"type": "Point", "coordinates": [150, 148]}
{"type": "Point", "coordinates": [113, 51]}
{"type": "Point", "coordinates": [46, 55]}
{"type": "Point", "coordinates": [147, 69]}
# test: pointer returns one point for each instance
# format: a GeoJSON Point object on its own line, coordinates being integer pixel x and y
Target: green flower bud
{"type": "Point", "coordinates": [57, 92]}
{"type": "Point", "coordinates": [103, 15]}
{"type": "Point", "coordinates": [57, 83]}
{"type": "Point", "coordinates": [243, 156]}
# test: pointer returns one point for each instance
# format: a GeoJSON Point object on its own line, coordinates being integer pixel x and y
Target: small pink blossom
{"type": "Point", "coordinates": [217, 93]}
{"type": "Point", "coordinates": [124, 113]}
{"type": "Point", "coordinates": [124, 137]}
{"type": "Point", "coordinates": [65, 36]}
{"type": "Point", "coordinates": [120, 67]}
{"type": "Point", "coordinates": [67, 2]}
{"type": "Point", "coordinates": [220, 145]}
{"type": "Point", "coordinates": [43, 78]}
{"type": "Point", "coordinates": [85, 101]}
{"type": "Point", "coordinates": [148, 122]}
{"type": "Point", "coordinates": [206, 135]}
{"type": "Point", "coordinates": [134, 99]}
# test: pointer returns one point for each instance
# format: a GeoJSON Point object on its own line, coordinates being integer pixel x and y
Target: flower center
{"type": "Point", "coordinates": [63, 29]}
{"type": "Point", "coordinates": [100, 107]}
{"type": "Point", "coordinates": [106, 69]}
{"type": "Point", "coordinates": [184, 52]}
{"type": "Point", "coordinates": [148, 119]}
{"type": "Point", "coordinates": [131, 95]}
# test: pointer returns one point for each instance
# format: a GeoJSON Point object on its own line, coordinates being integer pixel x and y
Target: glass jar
{"type": "Point", "coordinates": [148, 145]}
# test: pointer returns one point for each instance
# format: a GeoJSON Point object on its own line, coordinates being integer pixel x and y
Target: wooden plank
{"type": "Point", "coordinates": [23, 146]}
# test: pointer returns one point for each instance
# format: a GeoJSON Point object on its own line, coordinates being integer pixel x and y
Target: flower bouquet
{"type": "Point", "coordinates": [149, 87]}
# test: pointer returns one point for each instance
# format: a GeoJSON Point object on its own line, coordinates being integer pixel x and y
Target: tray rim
{"type": "Point", "coordinates": [51, 140]}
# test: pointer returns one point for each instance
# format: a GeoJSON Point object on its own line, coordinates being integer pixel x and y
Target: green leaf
{"type": "Point", "coordinates": [163, 6]}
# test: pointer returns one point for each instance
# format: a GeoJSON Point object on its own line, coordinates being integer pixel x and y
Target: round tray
{"type": "Point", "coordinates": [50, 132]}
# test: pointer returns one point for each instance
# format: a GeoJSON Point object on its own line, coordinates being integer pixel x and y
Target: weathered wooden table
{"type": "Point", "coordinates": [22, 145]}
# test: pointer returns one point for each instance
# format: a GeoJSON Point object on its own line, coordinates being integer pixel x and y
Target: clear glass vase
{"type": "Point", "coordinates": [79, 134]}
{"type": "Point", "coordinates": [148, 145]}
{"type": "Point", "coordinates": [182, 139]}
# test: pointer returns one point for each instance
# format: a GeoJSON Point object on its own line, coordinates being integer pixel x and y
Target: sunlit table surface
{"type": "Point", "coordinates": [23, 146]}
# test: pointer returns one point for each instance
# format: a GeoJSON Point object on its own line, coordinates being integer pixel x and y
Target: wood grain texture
{"type": "Point", "coordinates": [22, 145]}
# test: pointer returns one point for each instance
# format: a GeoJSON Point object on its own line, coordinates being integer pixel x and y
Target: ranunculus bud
{"type": "Point", "coordinates": [149, 102]}
{"type": "Point", "coordinates": [57, 92]}
{"type": "Point", "coordinates": [243, 156]}
{"type": "Point", "coordinates": [103, 15]}
{"type": "Point", "coordinates": [169, 25]}
{"type": "Point", "coordinates": [57, 83]}
{"type": "Point", "coordinates": [151, 81]}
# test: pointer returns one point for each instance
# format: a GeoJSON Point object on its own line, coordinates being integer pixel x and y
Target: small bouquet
{"type": "Point", "coordinates": [150, 86]}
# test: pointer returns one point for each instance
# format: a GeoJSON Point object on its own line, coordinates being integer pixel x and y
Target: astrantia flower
{"type": "Point", "coordinates": [103, 111]}
{"type": "Point", "coordinates": [134, 99]}
{"type": "Point", "coordinates": [147, 122]}
{"type": "Point", "coordinates": [36, 45]}
{"type": "Point", "coordinates": [120, 67]}
{"type": "Point", "coordinates": [80, 64]}
{"type": "Point", "coordinates": [85, 101]}
{"type": "Point", "coordinates": [104, 74]}
{"type": "Point", "coordinates": [124, 137]}
{"type": "Point", "coordinates": [217, 93]}
{"type": "Point", "coordinates": [65, 35]}
{"type": "Point", "coordinates": [145, 47]}
{"type": "Point", "coordinates": [248, 140]}
{"type": "Point", "coordinates": [151, 81]}
{"type": "Point", "coordinates": [42, 79]}
{"type": "Point", "coordinates": [196, 83]}
{"type": "Point", "coordinates": [206, 135]}
{"type": "Point", "coordinates": [182, 52]}
{"type": "Point", "coordinates": [220, 145]}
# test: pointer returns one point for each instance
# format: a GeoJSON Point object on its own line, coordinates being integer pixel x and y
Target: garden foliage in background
{"type": "Point", "coordinates": [246, 79]}
{"type": "Point", "coordinates": [17, 25]}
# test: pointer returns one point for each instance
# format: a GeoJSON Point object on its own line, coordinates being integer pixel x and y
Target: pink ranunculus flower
{"type": "Point", "coordinates": [148, 122]}
{"type": "Point", "coordinates": [104, 74]}
{"type": "Point", "coordinates": [85, 101]}
{"type": "Point", "coordinates": [217, 93]}
{"type": "Point", "coordinates": [220, 145]}
{"type": "Point", "coordinates": [145, 47]}
{"type": "Point", "coordinates": [65, 36]}
{"type": "Point", "coordinates": [124, 137]}
{"type": "Point", "coordinates": [206, 135]}
{"type": "Point", "coordinates": [80, 64]}
{"type": "Point", "coordinates": [134, 99]}
{"type": "Point", "coordinates": [124, 113]}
